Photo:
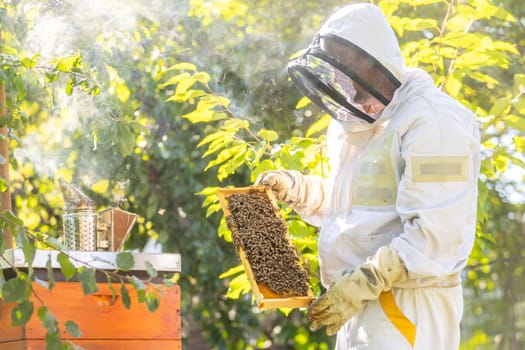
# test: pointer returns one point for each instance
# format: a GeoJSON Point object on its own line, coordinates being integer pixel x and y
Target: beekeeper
{"type": "Point", "coordinates": [397, 215]}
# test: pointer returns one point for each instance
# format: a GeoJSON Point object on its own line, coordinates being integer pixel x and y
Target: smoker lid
{"type": "Point", "coordinates": [73, 197]}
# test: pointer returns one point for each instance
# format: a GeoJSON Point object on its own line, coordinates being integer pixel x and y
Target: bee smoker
{"type": "Point", "coordinates": [89, 230]}
{"type": "Point", "coordinates": [79, 219]}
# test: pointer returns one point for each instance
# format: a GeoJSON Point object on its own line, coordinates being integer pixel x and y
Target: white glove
{"type": "Point", "coordinates": [348, 294]}
{"type": "Point", "coordinates": [282, 184]}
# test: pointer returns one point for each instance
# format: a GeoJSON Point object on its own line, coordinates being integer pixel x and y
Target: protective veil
{"type": "Point", "coordinates": [406, 181]}
{"type": "Point", "coordinates": [344, 80]}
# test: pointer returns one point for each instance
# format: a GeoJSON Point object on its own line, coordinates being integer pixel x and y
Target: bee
{"type": "Point", "coordinates": [263, 236]}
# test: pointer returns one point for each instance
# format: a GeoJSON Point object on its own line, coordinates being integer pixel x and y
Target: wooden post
{"type": "Point", "coordinates": [5, 197]}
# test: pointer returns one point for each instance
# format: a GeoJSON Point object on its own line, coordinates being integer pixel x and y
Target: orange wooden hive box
{"type": "Point", "coordinates": [264, 297]}
{"type": "Point", "coordinates": [105, 323]}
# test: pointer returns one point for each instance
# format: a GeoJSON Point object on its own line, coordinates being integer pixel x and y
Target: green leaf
{"type": "Point", "coordinates": [517, 161]}
{"type": "Point", "coordinates": [268, 135]}
{"type": "Point", "coordinates": [219, 144]}
{"type": "Point", "coordinates": [51, 77]}
{"type": "Point", "coordinates": [320, 125]}
{"type": "Point", "coordinates": [458, 23]}
{"type": "Point", "coordinates": [485, 78]}
{"type": "Point", "coordinates": [204, 116]}
{"type": "Point", "coordinates": [14, 290]}
{"type": "Point", "coordinates": [189, 96]}
{"type": "Point", "coordinates": [183, 66]}
{"type": "Point", "coordinates": [505, 46]}
{"type": "Point", "coordinates": [70, 86]}
{"type": "Point", "coordinates": [184, 85]}
{"type": "Point", "coordinates": [66, 266]}
{"type": "Point", "coordinates": [202, 77]}
{"type": "Point", "coordinates": [419, 24]}
{"type": "Point", "coordinates": [28, 248]}
{"type": "Point", "coordinates": [53, 341]}
{"type": "Point", "coordinates": [266, 164]}
{"type": "Point", "coordinates": [225, 154]}
{"type": "Point", "coordinates": [519, 79]}
{"type": "Point", "coordinates": [3, 184]}
{"type": "Point", "coordinates": [519, 142]}
{"type": "Point", "coordinates": [232, 271]}
{"type": "Point", "coordinates": [233, 125]}
{"type": "Point", "coordinates": [501, 162]}
{"type": "Point", "coordinates": [125, 296]}
{"type": "Point", "coordinates": [223, 230]}
{"type": "Point", "coordinates": [459, 40]}
{"type": "Point", "coordinates": [233, 164]}
{"type": "Point", "coordinates": [50, 273]}
{"type": "Point", "coordinates": [454, 84]}
{"type": "Point", "coordinates": [66, 64]}
{"type": "Point", "coordinates": [22, 313]}
{"type": "Point", "coordinates": [214, 136]}
{"type": "Point", "coordinates": [72, 328]}
{"type": "Point", "coordinates": [152, 302]}
{"type": "Point", "coordinates": [175, 79]}
{"type": "Point", "coordinates": [113, 291]}
{"type": "Point", "coordinates": [477, 59]}
{"type": "Point", "coordinates": [48, 319]}
{"type": "Point", "coordinates": [141, 295]}
{"type": "Point", "coordinates": [137, 283]}
{"type": "Point", "coordinates": [125, 261]}
{"type": "Point", "coordinates": [214, 208]}
{"type": "Point", "coordinates": [88, 281]}
{"type": "Point", "coordinates": [54, 243]}
{"type": "Point", "coordinates": [516, 122]}
{"type": "Point", "coordinates": [501, 13]}
{"type": "Point", "coordinates": [488, 168]}
{"type": "Point", "coordinates": [303, 102]}
{"type": "Point", "coordinates": [500, 107]}
{"type": "Point", "coordinates": [13, 218]}
{"type": "Point", "coordinates": [20, 87]}
{"type": "Point", "coordinates": [150, 269]}
{"type": "Point", "coordinates": [238, 285]}
{"type": "Point", "coordinates": [122, 91]}
{"type": "Point", "coordinates": [28, 62]}
{"type": "Point", "coordinates": [208, 191]}
{"type": "Point", "coordinates": [289, 161]}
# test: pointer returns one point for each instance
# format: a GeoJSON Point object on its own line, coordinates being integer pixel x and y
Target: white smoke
{"type": "Point", "coordinates": [60, 29]}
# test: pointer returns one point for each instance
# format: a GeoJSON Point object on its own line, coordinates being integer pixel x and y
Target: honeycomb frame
{"type": "Point", "coordinates": [264, 297]}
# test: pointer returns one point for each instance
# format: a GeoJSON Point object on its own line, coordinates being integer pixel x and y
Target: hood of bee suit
{"type": "Point", "coordinates": [366, 26]}
{"type": "Point", "coordinates": [353, 66]}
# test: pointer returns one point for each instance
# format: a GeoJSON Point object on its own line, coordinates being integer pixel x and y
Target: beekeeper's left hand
{"type": "Point", "coordinates": [348, 294]}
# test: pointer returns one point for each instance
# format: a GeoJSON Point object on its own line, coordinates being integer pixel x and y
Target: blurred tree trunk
{"type": "Point", "coordinates": [5, 197]}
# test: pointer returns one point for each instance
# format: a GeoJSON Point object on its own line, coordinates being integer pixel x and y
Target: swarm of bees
{"type": "Point", "coordinates": [263, 235]}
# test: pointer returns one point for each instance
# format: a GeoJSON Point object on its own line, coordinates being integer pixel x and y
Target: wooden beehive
{"type": "Point", "coordinates": [264, 296]}
{"type": "Point", "coordinates": [104, 320]}
{"type": "Point", "coordinates": [105, 323]}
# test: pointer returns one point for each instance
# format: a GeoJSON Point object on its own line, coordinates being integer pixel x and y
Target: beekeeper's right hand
{"type": "Point", "coordinates": [282, 183]}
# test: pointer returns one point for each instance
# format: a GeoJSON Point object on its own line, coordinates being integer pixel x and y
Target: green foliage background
{"type": "Point", "coordinates": [155, 105]}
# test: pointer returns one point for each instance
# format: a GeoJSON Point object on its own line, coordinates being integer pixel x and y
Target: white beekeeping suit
{"type": "Point", "coordinates": [397, 214]}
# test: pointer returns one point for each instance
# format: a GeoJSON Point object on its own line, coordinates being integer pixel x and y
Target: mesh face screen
{"type": "Point", "coordinates": [343, 80]}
